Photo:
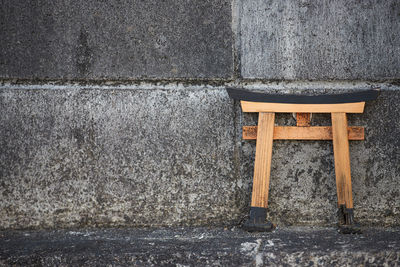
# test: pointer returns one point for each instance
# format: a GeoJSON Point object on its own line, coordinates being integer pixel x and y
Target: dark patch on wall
{"type": "Point", "coordinates": [84, 54]}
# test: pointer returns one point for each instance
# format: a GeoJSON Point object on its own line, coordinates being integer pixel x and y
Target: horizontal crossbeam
{"type": "Point", "coordinates": [357, 107]}
{"type": "Point", "coordinates": [304, 133]}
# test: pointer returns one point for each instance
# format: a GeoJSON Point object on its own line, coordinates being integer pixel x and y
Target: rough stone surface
{"type": "Point", "coordinates": [50, 39]}
{"type": "Point", "coordinates": [319, 40]}
{"type": "Point", "coordinates": [76, 156]}
{"type": "Point", "coordinates": [79, 157]}
{"type": "Point", "coordinates": [200, 247]}
{"type": "Point", "coordinates": [303, 187]}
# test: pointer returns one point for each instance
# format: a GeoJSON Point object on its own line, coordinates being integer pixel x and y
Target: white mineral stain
{"type": "Point", "coordinates": [269, 243]}
{"type": "Point", "coordinates": [250, 248]}
{"type": "Point", "coordinates": [259, 259]}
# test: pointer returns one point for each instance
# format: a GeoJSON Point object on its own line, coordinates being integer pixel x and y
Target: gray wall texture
{"type": "Point", "coordinates": [115, 39]}
{"type": "Point", "coordinates": [320, 40]}
{"type": "Point", "coordinates": [114, 113]}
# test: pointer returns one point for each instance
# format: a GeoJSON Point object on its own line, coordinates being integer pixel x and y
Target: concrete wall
{"type": "Point", "coordinates": [115, 113]}
{"type": "Point", "coordinates": [320, 40]}
{"type": "Point", "coordinates": [95, 156]}
{"type": "Point", "coordinates": [115, 39]}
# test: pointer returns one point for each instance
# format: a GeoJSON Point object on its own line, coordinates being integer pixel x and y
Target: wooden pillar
{"type": "Point", "coordinates": [262, 164]}
{"type": "Point", "coordinates": [342, 159]}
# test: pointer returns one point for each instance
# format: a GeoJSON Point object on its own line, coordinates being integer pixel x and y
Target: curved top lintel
{"type": "Point", "coordinates": [353, 97]}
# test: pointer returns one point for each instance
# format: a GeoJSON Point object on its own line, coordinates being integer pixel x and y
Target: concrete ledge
{"type": "Point", "coordinates": [200, 247]}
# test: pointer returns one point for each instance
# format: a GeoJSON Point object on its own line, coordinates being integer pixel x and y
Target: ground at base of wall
{"type": "Point", "coordinates": [303, 246]}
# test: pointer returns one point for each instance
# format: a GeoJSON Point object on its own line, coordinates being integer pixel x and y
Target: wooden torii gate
{"type": "Point", "coordinates": [267, 105]}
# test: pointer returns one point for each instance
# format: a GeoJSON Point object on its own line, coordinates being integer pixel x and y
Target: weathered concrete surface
{"type": "Point", "coordinates": [115, 39]}
{"type": "Point", "coordinates": [319, 40]}
{"type": "Point", "coordinates": [303, 187]}
{"type": "Point", "coordinates": [200, 247]}
{"type": "Point", "coordinates": [150, 156]}
{"type": "Point", "coordinates": [76, 157]}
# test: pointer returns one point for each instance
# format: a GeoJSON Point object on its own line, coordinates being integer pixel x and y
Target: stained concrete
{"type": "Point", "coordinates": [76, 156]}
{"type": "Point", "coordinates": [200, 247]}
{"type": "Point", "coordinates": [115, 39]}
{"type": "Point", "coordinates": [80, 157]}
{"type": "Point", "coordinates": [319, 40]}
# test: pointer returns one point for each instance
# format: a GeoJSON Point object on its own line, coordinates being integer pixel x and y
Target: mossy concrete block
{"type": "Point", "coordinates": [76, 157]}
{"type": "Point", "coordinates": [115, 39]}
{"type": "Point", "coordinates": [319, 40]}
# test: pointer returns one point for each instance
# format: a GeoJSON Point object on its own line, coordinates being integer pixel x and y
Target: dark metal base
{"type": "Point", "coordinates": [257, 221]}
{"type": "Point", "coordinates": [346, 223]}
{"type": "Point", "coordinates": [350, 229]}
{"type": "Point", "coordinates": [258, 227]}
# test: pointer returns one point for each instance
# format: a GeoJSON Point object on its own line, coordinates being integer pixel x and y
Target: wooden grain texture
{"type": "Point", "coordinates": [262, 164]}
{"type": "Point", "coordinates": [342, 159]}
{"type": "Point", "coordinates": [302, 108]}
{"type": "Point", "coordinates": [303, 119]}
{"type": "Point", "coordinates": [304, 133]}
